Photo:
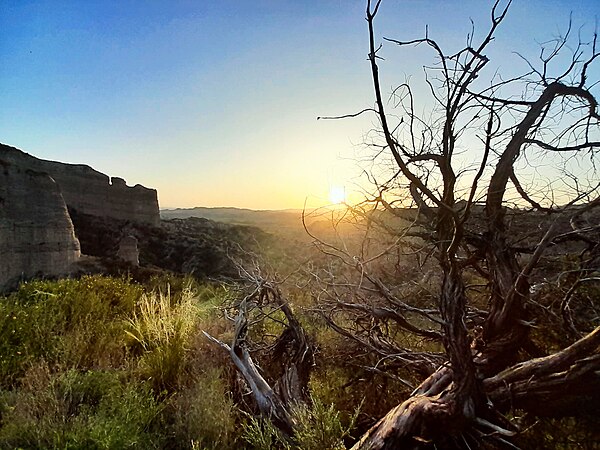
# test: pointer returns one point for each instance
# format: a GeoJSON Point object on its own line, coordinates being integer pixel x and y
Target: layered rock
{"type": "Point", "coordinates": [36, 232]}
{"type": "Point", "coordinates": [91, 192]}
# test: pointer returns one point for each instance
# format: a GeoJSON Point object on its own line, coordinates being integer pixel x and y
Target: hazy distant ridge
{"type": "Point", "coordinates": [242, 216]}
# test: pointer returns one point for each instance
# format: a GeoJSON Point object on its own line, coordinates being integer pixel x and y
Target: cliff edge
{"type": "Point", "coordinates": [36, 232]}
{"type": "Point", "coordinates": [37, 236]}
{"type": "Point", "coordinates": [91, 192]}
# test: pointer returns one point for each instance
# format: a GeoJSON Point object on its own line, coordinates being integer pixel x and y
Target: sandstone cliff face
{"type": "Point", "coordinates": [91, 192]}
{"type": "Point", "coordinates": [36, 232]}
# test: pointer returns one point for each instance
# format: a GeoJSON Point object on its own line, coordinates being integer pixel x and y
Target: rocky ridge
{"type": "Point", "coordinates": [91, 192]}
{"type": "Point", "coordinates": [37, 198]}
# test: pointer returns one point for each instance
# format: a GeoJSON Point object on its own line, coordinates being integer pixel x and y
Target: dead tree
{"type": "Point", "coordinates": [291, 353]}
{"type": "Point", "coordinates": [461, 214]}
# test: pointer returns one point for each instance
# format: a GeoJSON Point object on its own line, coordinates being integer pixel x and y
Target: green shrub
{"type": "Point", "coordinates": [205, 416]}
{"type": "Point", "coordinates": [76, 323]}
{"type": "Point", "coordinates": [262, 435]}
{"type": "Point", "coordinates": [316, 427]}
{"type": "Point", "coordinates": [322, 427]}
{"type": "Point", "coordinates": [78, 410]}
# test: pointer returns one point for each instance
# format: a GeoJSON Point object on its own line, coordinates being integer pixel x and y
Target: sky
{"type": "Point", "coordinates": [214, 103]}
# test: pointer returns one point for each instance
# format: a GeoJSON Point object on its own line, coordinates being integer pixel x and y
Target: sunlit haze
{"type": "Point", "coordinates": [216, 103]}
{"type": "Point", "coordinates": [337, 194]}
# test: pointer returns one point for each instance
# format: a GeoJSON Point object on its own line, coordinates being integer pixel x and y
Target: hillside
{"type": "Point", "coordinates": [265, 219]}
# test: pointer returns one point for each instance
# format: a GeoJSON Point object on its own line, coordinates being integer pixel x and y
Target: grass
{"type": "Point", "coordinates": [79, 410]}
{"type": "Point", "coordinates": [159, 331]}
{"type": "Point", "coordinates": [106, 363]}
{"type": "Point", "coordinates": [73, 323]}
{"type": "Point", "coordinates": [205, 414]}
{"type": "Point", "coordinates": [318, 426]}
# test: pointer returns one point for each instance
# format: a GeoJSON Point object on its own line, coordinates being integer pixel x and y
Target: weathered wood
{"type": "Point", "coordinates": [564, 383]}
{"type": "Point", "coordinates": [431, 409]}
{"type": "Point", "coordinates": [293, 350]}
{"type": "Point", "coordinates": [269, 403]}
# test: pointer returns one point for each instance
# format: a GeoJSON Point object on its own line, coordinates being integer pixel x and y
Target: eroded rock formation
{"type": "Point", "coordinates": [37, 236]}
{"type": "Point", "coordinates": [91, 192]}
{"type": "Point", "coordinates": [36, 232]}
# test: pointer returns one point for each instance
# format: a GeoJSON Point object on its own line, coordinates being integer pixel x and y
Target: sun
{"type": "Point", "coordinates": [337, 194]}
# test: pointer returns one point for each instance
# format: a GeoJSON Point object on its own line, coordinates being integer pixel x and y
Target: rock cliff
{"type": "Point", "coordinates": [37, 236]}
{"type": "Point", "coordinates": [91, 192]}
{"type": "Point", "coordinates": [36, 232]}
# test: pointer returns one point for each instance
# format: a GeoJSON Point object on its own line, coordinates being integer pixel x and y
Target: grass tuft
{"type": "Point", "coordinates": [159, 330]}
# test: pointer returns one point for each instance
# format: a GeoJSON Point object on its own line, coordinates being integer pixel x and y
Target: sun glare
{"type": "Point", "coordinates": [337, 194]}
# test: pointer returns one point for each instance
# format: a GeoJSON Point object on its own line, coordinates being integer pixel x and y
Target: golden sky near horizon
{"type": "Point", "coordinates": [215, 103]}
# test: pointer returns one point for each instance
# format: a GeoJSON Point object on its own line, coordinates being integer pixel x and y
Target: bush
{"type": "Point", "coordinates": [205, 416]}
{"type": "Point", "coordinates": [316, 427]}
{"type": "Point", "coordinates": [75, 323]}
{"type": "Point", "coordinates": [78, 410]}
{"type": "Point", "coordinates": [262, 435]}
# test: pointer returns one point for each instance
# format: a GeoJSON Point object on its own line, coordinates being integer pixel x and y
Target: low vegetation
{"type": "Point", "coordinates": [103, 362]}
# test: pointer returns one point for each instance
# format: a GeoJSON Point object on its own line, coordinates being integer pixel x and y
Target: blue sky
{"type": "Point", "coordinates": [215, 103]}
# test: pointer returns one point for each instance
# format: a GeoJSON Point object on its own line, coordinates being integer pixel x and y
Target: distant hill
{"type": "Point", "coordinates": [285, 222]}
{"type": "Point", "coordinates": [269, 220]}
{"type": "Point", "coordinates": [525, 226]}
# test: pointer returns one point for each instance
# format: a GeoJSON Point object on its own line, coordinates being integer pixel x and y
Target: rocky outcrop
{"type": "Point", "coordinates": [91, 192]}
{"type": "Point", "coordinates": [36, 232]}
{"type": "Point", "coordinates": [200, 247]}
{"type": "Point", "coordinates": [128, 250]}
{"type": "Point", "coordinates": [51, 213]}
{"type": "Point", "coordinates": [37, 198]}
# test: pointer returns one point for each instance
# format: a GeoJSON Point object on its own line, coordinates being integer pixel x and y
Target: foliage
{"type": "Point", "coordinates": [105, 362]}
{"type": "Point", "coordinates": [322, 426]}
{"type": "Point", "coordinates": [85, 364]}
{"type": "Point", "coordinates": [160, 329]}
{"type": "Point", "coordinates": [78, 410]}
{"type": "Point", "coordinates": [317, 427]}
{"type": "Point", "coordinates": [205, 415]}
{"type": "Point", "coordinates": [75, 323]}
